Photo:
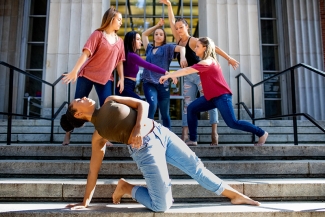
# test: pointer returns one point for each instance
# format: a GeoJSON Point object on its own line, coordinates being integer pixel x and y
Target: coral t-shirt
{"type": "Point", "coordinates": [212, 79]}
{"type": "Point", "coordinates": [103, 58]}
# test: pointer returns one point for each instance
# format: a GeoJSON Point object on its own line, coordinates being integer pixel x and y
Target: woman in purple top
{"type": "Point", "coordinates": [132, 43]}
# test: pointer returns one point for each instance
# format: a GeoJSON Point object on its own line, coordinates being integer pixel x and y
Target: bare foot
{"type": "Point", "coordinates": [215, 139]}
{"type": "Point", "coordinates": [262, 139]}
{"type": "Point", "coordinates": [123, 187]}
{"type": "Point", "coordinates": [238, 198]}
{"type": "Point", "coordinates": [243, 199]}
{"type": "Point", "coordinates": [66, 139]}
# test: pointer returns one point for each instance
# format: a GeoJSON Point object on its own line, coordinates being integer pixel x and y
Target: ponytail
{"type": "Point", "coordinates": [68, 122]}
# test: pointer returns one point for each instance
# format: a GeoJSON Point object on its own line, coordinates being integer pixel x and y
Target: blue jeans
{"type": "Point", "coordinates": [85, 85]}
{"type": "Point", "coordinates": [160, 147]}
{"type": "Point", "coordinates": [224, 105]}
{"type": "Point", "coordinates": [158, 95]}
{"type": "Point", "coordinates": [129, 87]}
{"type": "Point", "coordinates": [192, 84]}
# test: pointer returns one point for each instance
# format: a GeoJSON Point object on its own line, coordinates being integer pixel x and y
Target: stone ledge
{"type": "Point", "coordinates": [246, 168]}
{"type": "Point", "coordinates": [183, 189]}
{"type": "Point", "coordinates": [197, 209]}
{"type": "Point", "coordinates": [202, 150]}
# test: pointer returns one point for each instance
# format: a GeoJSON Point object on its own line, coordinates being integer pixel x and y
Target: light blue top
{"type": "Point", "coordinates": [162, 58]}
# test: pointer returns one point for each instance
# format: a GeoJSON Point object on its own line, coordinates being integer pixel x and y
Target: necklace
{"type": "Point", "coordinates": [154, 47]}
{"type": "Point", "coordinates": [108, 38]}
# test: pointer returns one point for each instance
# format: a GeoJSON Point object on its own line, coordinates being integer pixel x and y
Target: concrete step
{"type": "Point", "coordinates": [279, 131]}
{"type": "Point", "coordinates": [227, 161]}
{"type": "Point", "coordinates": [128, 168]}
{"type": "Point", "coordinates": [197, 209]}
{"type": "Point", "coordinates": [204, 151]}
{"type": "Point", "coordinates": [184, 190]}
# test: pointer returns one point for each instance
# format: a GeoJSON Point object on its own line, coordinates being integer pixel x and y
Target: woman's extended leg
{"type": "Point", "coordinates": [181, 156]}
{"type": "Point", "coordinates": [224, 104]}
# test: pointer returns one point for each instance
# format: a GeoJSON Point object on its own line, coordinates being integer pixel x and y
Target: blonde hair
{"type": "Point", "coordinates": [108, 18]}
{"type": "Point", "coordinates": [210, 48]}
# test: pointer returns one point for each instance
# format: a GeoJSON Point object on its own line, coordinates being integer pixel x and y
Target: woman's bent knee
{"type": "Point", "coordinates": [162, 207]}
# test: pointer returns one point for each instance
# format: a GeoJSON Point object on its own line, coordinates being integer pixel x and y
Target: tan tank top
{"type": "Point", "coordinates": [114, 121]}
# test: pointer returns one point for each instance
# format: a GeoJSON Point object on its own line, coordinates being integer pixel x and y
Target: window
{"type": "Point", "coordinates": [270, 57]}
{"type": "Point", "coordinates": [35, 56]}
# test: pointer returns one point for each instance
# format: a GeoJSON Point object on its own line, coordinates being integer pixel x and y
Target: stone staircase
{"type": "Point", "coordinates": [31, 131]}
{"type": "Point", "coordinates": [40, 179]}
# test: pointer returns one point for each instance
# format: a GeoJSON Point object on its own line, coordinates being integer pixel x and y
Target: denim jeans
{"type": "Point", "coordinates": [158, 95]}
{"type": "Point", "coordinates": [224, 105]}
{"type": "Point", "coordinates": [192, 84]}
{"type": "Point", "coordinates": [84, 86]}
{"type": "Point", "coordinates": [129, 87]}
{"type": "Point", "coordinates": [160, 147]}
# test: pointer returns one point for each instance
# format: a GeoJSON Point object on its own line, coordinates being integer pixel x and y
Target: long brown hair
{"type": "Point", "coordinates": [184, 22]}
{"type": "Point", "coordinates": [165, 37]}
{"type": "Point", "coordinates": [108, 18]}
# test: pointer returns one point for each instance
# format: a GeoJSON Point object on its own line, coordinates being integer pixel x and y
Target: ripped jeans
{"type": "Point", "coordinates": [161, 146]}
{"type": "Point", "coordinates": [158, 95]}
{"type": "Point", "coordinates": [192, 84]}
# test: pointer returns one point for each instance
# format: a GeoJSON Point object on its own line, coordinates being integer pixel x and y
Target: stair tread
{"type": "Point", "coordinates": [174, 181]}
{"type": "Point", "coordinates": [224, 209]}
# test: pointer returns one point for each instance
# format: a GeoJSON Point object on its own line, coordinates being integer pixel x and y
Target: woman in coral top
{"type": "Point", "coordinates": [217, 93]}
{"type": "Point", "coordinates": [102, 53]}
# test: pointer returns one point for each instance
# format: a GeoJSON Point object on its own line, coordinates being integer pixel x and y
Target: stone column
{"type": "Point", "coordinates": [70, 25]}
{"type": "Point", "coordinates": [304, 45]}
{"type": "Point", "coordinates": [234, 27]}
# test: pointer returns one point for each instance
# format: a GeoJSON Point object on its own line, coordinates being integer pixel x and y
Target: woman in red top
{"type": "Point", "coordinates": [102, 53]}
{"type": "Point", "coordinates": [217, 93]}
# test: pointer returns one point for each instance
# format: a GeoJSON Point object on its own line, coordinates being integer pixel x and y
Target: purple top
{"type": "Point", "coordinates": [132, 63]}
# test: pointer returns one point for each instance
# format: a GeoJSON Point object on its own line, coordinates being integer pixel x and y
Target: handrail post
{"type": "Point", "coordinates": [238, 98]}
{"type": "Point", "coordinates": [28, 106]}
{"type": "Point", "coordinates": [11, 84]}
{"type": "Point", "coordinates": [294, 108]}
{"type": "Point", "coordinates": [253, 110]}
{"type": "Point", "coordinates": [52, 116]}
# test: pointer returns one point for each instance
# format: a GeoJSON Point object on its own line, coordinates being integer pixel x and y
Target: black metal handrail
{"type": "Point", "coordinates": [10, 113]}
{"type": "Point", "coordinates": [294, 113]}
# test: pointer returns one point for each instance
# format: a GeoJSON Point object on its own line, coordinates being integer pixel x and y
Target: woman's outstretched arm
{"type": "Point", "coordinates": [98, 147]}
{"type": "Point", "coordinates": [178, 73]}
{"type": "Point", "coordinates": [72, 76]}
{"type": "Point", "coordinates": [231, 61]}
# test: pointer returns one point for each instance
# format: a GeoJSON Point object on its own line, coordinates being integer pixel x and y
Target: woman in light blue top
{"type": "Point", "coordinates": [161, 54]}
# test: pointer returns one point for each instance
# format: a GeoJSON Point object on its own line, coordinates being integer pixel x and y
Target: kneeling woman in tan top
{"type": "Point", "coordinates": [151, 145]}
